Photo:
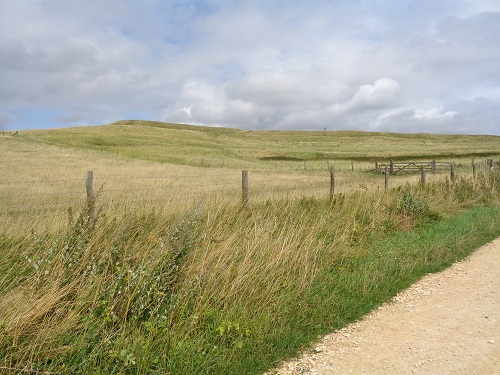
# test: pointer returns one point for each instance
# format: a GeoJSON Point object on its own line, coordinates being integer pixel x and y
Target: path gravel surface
{"type": "Point", "coordinates": [447, 323]}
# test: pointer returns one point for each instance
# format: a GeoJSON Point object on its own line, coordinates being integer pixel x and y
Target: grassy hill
{"type": "Point", "coordinates": [196, 145]}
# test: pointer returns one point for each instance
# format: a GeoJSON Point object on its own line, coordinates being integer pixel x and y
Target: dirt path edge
{"type": "Point", "coordinates": [447, 323]}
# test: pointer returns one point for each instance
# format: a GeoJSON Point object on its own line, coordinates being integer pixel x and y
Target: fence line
{"type": "Point", "coordinates": [416, 167]}
{"type": "Point", "coordinates": [269, 180]}
{"type": "Point", "coordinates": [22, 206]}
{"type": "Point", "coordinates": [165, 187]}
{"type": "Point", "coordinates": [38, 181]}
{"type": "Point", "coordinates": [81, 200]}
{"type": "Point", "coordinates": [412, 167]}
{"type": "Point", "coordinates": [41, 195]}
{"type": "Point", "coordinates": [165, 177]}
{"type": "Point", "coordinates": [118, 178]}
{"type": "Point", "coordinates": [258, 178]}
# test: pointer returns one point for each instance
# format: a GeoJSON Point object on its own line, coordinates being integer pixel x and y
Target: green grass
{"type": "Point", "coordinates": [216, 147]}
{"type": "Point", "coordinates": [215, 287]}
{"type": "Point", "coordinates": [226, 289]}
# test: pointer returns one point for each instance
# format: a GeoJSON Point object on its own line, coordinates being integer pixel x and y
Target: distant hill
{"type": "Point", "coordinates": [188, 144]}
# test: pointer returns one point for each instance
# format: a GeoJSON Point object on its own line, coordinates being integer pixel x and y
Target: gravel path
{"type": "Point", "coordinates": [447, 323]}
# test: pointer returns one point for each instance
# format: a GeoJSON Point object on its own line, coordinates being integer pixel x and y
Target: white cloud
{"type": "Point", "coordinates": [284, 87]}
{"type": "Point", "coordinates": [433, 114]}
{"type": "Point", "coordinates": [201, 103]}
{"type": "Point", "coordinates": [413, 120]}
{"type": "Point", "coordinates": [254, 64]}
{"type": "Point", "coordinates": [384, 93]}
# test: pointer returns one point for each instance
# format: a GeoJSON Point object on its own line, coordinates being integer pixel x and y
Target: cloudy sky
{"type": "Point", "coordinates": [376, 65]}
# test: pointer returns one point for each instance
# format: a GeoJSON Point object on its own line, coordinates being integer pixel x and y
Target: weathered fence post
{"type": "Point", "coordinates": [391, 167]}
{"type": "Point", "coordinates": [423, 175]}
{"type": "Point", "coordinates": [352, 166]}
{"type": "Point", "coordinates": [90, 193]}
{"type": "Point", "coordinates": [332, 182]}
{"type": "Point", "coordinates": [473, 176]}
{"type": "Point", "coordinates": [433, 167]}
{"type": "Point", "coordinates": [376, 167]}
{"type": "Point", "coordinates": [452, 172]}
{"type": "Point", "coordinates": [244, 187]}
{"type": "Point", "coordinates": [386, 178]}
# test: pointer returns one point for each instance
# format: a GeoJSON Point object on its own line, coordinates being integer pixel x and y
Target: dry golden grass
{"type": "Point", "coordinates": [43, 186]}
{"type": "Point", "coordinates": [47, 181]}
{"type": "Point", "coordinates": [175, 275]}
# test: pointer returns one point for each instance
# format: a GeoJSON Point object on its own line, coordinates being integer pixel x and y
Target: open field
{"type": "Point", "coordinates": [144, 165]}
{"type": "Point", "coordinates": [282, 150]}
{"type": "Point", "coordinates": [172, 274]}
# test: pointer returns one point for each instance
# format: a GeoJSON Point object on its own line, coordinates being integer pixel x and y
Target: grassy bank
{"type": "Point", "coordinates": [225, 289]}
{"type": "Point", "coordinates": [201, 146]}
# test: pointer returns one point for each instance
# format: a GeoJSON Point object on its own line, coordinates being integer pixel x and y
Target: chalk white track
{"type": "Point", "coordinates": [447, 323]}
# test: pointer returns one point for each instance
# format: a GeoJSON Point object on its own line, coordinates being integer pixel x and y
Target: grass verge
{"type": "Point", "coordinates": [225, 289]}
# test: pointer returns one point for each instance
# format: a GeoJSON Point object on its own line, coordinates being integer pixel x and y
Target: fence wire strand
{"type": "Point", "coordinates": [261, 182]}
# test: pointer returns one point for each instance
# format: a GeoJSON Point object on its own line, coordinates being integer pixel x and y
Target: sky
{"type": "Point", "coordinates": [406, 66]}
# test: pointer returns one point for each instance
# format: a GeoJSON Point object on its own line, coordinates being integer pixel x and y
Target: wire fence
{"type": "Point", "coordinates": [34, 201]}
{"type": "Point", "coordinates": [23, 202]}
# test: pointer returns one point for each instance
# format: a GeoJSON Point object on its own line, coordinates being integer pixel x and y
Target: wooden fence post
{"type": "Point", "coordinates": [376, 167]}
{"type": "Point", "coordinates": [244, 187]}
{"type": "Point", "coordinates": [90, 193]}
{"type": "Point", "coordinates": [391, 167]}
{"type": "Point", "coordinates": [386, 178]}
{"type": "Point", "coordinates": [423, 175]}
{"type": "Point", "coordinates": [452, 172]}
{"type": "Point", "coordinates": [332, 182]}
{"type": "Point", "coordinates": [433, 167]}
{"type": "Point", "coordinates": [473, 176]}
{"type": "Point", "coordinates": [352, 166]}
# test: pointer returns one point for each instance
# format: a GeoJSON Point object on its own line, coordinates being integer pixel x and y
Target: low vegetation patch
{"type": "Point", "coordinates": [225, 289]}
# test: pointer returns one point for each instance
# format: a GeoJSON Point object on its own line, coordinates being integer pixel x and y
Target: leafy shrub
{"type": "Point", "coordinates": [413, 209]}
